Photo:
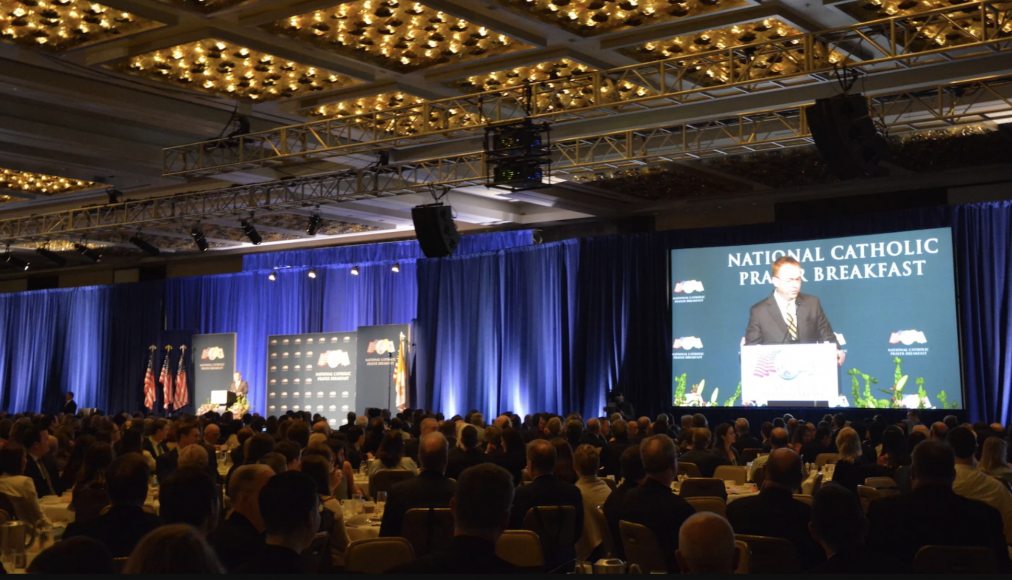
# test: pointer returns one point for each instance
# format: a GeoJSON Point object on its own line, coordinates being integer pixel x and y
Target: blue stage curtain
{"type": "Point", "coordinates": [376, 296]}
{"type": "Point", "coordinates": [983, 237]}
{"type": "Point", "coordinates": [382, 252]}
{"type": "Point", "coordinates": [136, 321]}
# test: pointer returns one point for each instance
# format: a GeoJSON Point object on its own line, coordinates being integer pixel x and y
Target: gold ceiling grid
{"type": "Point", "coordinates": [64, 24]}
{"type": "Point", "coordinates": [590, 17]}
{"type": "Point", "coordinates": [40, 183]}
{"type": "Point", "coordinates": [401, 35]}
{"type": "Point", "coordinates": [223, 68]}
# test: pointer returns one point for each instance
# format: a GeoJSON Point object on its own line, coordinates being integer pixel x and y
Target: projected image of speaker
{"type": "Point", "coordinates": [435, 230]}
{"type": "Point", "coordinates": [846, 136]}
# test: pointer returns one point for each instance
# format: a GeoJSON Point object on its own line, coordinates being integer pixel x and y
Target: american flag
{"type": "Point", "coordinates": [765, 366]}
{"type": "Point", "coordinates": [182, 389]}
{"type": "Point", "coordinates": [401, 375]}
{"type": "Point", "coordinates": [166, 379]}
{"type": "Point", "coordinates": [149, 382]}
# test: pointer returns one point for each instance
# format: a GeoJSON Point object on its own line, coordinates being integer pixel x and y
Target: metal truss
{"type": "Point", "coordinates": [964, 31]}
{"type": "Point", "coordinates": [905, 112]}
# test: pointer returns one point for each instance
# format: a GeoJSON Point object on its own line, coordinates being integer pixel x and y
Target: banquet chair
{"type": "Point", "coordinates": [317, 556]}
{"type": "Point", "coordinates": [704, 503]}
{"type": "Point", "coordinates": [744, 557]}
{"type": "Point", "coordinates": [555, 526]}
{"type": "Point", "coordinates": [882, 483]}
{"type": "Point", "coordinates": [377, 555]}
{"type": "Point", "coordinates": [384, 479]}
{"type": "Point", "coordinates": [735, 473]}
{"type": "Point", "coordinates": [769, 555]}
{"type": "Point", "coordinates": [522, 548]}
{"type": "Point", "coordinates": [823, 458]}
{"type": "Point", "coordinates": [705, 486]}
{"type": "Point", "coordinates": [867, 495]}
{"type": "Point", "coordinates": [595, 516]}
{"type": "Point", "coordinates": [7, 509]}
{"type": "Point", "coordinates": [688, 469]}
{"type": "Point", "coordinates": [428, 529]}
{"type": "Point", "coordinates": [641, 547]}
{"type": "Point", "coordinates": [933, 559]}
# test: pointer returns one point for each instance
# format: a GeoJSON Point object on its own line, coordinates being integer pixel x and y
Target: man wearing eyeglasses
{"type": "Point", "coordinates": [787, 316]}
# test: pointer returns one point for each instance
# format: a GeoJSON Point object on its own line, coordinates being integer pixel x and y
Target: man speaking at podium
{"type": "Point", "coordinates": [788, 316]}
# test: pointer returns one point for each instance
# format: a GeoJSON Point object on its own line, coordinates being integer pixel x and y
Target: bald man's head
{"type": "Point", "coordinates": [783, 469]}
{"type": "Point", "coordinates": [706, 545]}
{"type": "Point", "coordinates": [428, 425]}
{"type": "Point", "coordinates": [779, 437]}
{"type": "Point", "coordinates": [541, 456]}
{"type": "Point", "coordinates": [659, 455]}
{"type": "Point", "coordinates": [432, 452]}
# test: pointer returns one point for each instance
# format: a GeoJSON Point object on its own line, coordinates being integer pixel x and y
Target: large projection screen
{"type": "Point", "coordinates": [890, 299]}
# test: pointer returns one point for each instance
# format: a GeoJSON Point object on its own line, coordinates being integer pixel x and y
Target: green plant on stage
{"type": "Point", "coordinates": [895, 393]}
{"type": "Point", "coordinates": [679, 399]}
{"type": "Point", "coordinates": [865, 399]}
{"type": "Point", "coordinates": [922, 395]}
{"type": "Point", "coordinates": [943, 400]}
{"type": "Point", "coordinates": [734, 397]}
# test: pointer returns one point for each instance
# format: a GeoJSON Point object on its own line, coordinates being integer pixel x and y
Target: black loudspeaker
{"type": "Point", "coordinates": [846, 137]}
{"type": "Point", "coordinates": [435, 230]}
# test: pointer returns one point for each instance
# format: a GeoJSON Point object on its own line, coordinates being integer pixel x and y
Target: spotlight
{"type": "Point", "coordinates": [16, 262]}
{"type": "Point", "coordinates": [272, 276]}
{"type": "Point", "coordinates": [198, 238]}
{"type": "Point", "coordinates": [354, 271]}
{"type": "Point", "coordinates": [396, 268]}
{"type": "Point", "coordinates": [51, 256]}
{"type": "Point", "coordinates": [311, 274]}
{"type": "Point", "coordinates": [315, 221]}
{"type": "Point", "coordinates": [144, 245]}
{"type": "Point", "coordinates": [251, 232]}
{"type": "Point", "coordinates": [87, 252]}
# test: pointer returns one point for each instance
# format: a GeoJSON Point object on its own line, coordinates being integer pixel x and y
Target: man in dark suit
{"type": "Point", "coordinates": [165, 465]}
{"type": "Point", "coordinates": [425, 426]}
{"type": "Point", "coordinates": [126, 522]}
{"type": "Point", "coordinates": [546, 490]}
{"type": "Point", "coordinates": [239, 385]}
{"type": "Point", "coordinates": [430, 489]}
{"type": "Point", "coordinates": [932, 513]}
{"type": "Point", "coordinates": [465, 454]}
{"type": "Point", "coordinates": [290, 506]}
{"type": "Point", "coordinates": [775, 512]}
{"type": "Point", "coordinates": [69, 406]}
{"type": "Point", "coordinates": [481, 510]}
{"type": "Point", "coordinates": [653, 504]}
{"type": "Point", "coordinates": [745, 439]}
{"type": "Point", "coordinates": [154, 437]}
{"type": "Point", "coordinates": [788, 316]}
{"type": "Point", "coordinates": [241, 536]}
{"type": "Point", "coordinates": [701, 455]}
{"type": "Point", "coordinates": [41, 465]}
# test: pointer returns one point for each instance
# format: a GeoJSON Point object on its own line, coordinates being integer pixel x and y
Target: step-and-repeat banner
{"type": "Point", "coordinates": [312, 372]}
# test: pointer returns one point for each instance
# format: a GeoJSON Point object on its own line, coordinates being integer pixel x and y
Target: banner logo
{"type": "Point", "coordinates": [687, 343]}
{"type": "Point", "coordinates": [688, 292]}
{"type": "Point", "coordinates": [381, 346]}
{"type": "Point", "coordinates": [908, 337]}
{"type": "Point", "coordinates": [334, 358]}
{"type": "Point", "coordinates": [212, 353]}
{"type": "Point", "coordinates": [688, 287]}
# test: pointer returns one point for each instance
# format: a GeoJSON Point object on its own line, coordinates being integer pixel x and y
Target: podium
{"type": "Point", "coordinates": [789, 375]}
{"type": "Point", "coordinates": [223, 397]}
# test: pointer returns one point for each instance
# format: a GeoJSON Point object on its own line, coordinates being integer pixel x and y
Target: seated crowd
{"type": "Point", "coordinates": [224, 494]}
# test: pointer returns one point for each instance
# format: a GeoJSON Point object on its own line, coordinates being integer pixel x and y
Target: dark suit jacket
{"type": "Point", "coordinates": [706, 461]}
{"type": "Point", "coordinates": [612, 509]}
{"type": "Point", "coordinates": [274, 560]}
{"type": "Point", "coordinates": [466, 555]}
{"type": "Point", "coordinates": [236, 542]}
{"type": "Point", "coordinates": [166, 465]}
{"type": "Point", "coordinates": [933, 514]}
{"type": "Point", "coordinates": [70, 407]}
{"type": "Point", "coordinates": [429, 489]}
{"type": "Point", "coordinates": [548, 490]}
{"type": "Point", "coordinates": [41, 484]}
{"type": "Point", "coordinates": [459, 460]}
{"type": "Point", "coordinates": [775, 512]}
{"type": "Point", "coordinates": [120, 529]}
{"type": "Point", "coordinates": [747, 441]}
{"type": "Point", "coordinates": [150, 448]}
{"type": "Point", "coordinates": [766, 325]}
{"type": "Point", "coordinates": [658, 508]}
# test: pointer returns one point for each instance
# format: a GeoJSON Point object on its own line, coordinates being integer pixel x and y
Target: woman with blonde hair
{"type": "Point", "coordinates": [173, 549]}
{"type": "Point", "coordinates": [993, 460]}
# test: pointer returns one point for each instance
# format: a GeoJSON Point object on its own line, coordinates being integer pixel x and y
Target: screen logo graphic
{"type": "Point", "coordinates": [908, 337]}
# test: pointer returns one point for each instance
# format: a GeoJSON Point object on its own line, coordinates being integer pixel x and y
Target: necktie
{"type": "Point", "coordinates": [45, 476]}
{"type": "Point", "coordinates": [792, 324]}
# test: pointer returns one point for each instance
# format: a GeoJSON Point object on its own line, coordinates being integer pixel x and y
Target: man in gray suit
{"type": "Point", "coordinates": [788, 316]}
{"type": "Point", "coordinates": [239, 385]}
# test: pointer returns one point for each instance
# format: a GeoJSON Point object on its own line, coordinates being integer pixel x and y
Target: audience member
{"type": "Point", "coordinates": [189, 496]}
{"type": "Point", "coordinates": [632, 476]}
{"type": "Point", "coordinates": [41, 466]}
{"type": "Point", "coordinates": [186, 434]}
{"type": "Point", "coordinates": [774, 511]}
{"type": "Point", "coordinates": [840, 528]}
{"type": "Point", "coordinates": [126, 522]}
{"type": "Point", "coordinates": [653, 504]}
{"type": "Point", "coordinates": [80, 555]}
{"type": "Point", "coordinates": [90, 494]}
{"type": "Point", "coordinates": [564, 469]}
{"type": "Point", "coordinates": [290, 508]}
{"type": "Point", "coordinates": [431, 488]}
{"type": "Point", "coordinates": [327, 478]}
{"type": "Point", "coordinates": [701, 455]}
{"type": "Point", "coordinates": [706, 545]}
{"type": "Point", "coordinates": [465, 453]}
{"type": "Point", "coordinates": [240, 537]}
{"type": "Point", "coordinates": [19, 488]}
{"type": "Point", "coordinates": [994, 460]}
{"type": "Point", "coordinates": [972, 483]}
{"type": "Point", "coordinates": [173, 549]}
{"type": "Point", "coordinates": [932, 513]}
{"type": "Point", "coordinates": [595, 492]}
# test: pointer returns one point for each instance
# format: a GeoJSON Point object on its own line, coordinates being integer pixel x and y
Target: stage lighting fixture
{"type": "Point", "coordinates": [51, 256]}
{"type": "Point", "coordinates": [87, 252]}
{"type": "Point", "coordinates": [311, 274]}
{"type": "Point", "coordinates": [198, 238]}
{"type": "Point", "coordinates": [396, 268]}
{"type": "Point", "coordinates": [354, 271]}
{"type": "Point", "coordinates": [515, 154]}
{"type": "Point", "coordinates": [251, 232]}
{"type": "Point", "coordinates": [144, 245]}
{"type": "Point", "coordinates": [115, 195]}
{"type": "Point", "coordinates": [16, 262]}
{"type": "Point", "coordinates": [272, 276]}
{"type": "Point", "coordinates": [315, 221]}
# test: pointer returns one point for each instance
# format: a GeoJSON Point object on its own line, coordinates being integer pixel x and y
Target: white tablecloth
{"type": "Point", "coordinates": [57, 508]}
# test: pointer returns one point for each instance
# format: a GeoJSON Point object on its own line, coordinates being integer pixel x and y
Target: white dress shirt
{"type": "Point", "coordinates": [974, 484]}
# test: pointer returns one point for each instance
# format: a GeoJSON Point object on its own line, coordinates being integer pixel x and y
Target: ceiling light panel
{"type": "Point", "coordinates": [588, 17]}
{"type": "Point", "coordinates": [208, 6]}
{"type": "Point", "coordinates": [64, 24]}
{"type": "Point", "coordinates": [770, 48]}
{"type": "Point", "coordinates": [401, 35]}
{"type": "Point", "coordinates": [40, 183]}
{"type": "Point", "coordinates": [223, 68]}
{"type": "Point", "coordinates": [364, 105]}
